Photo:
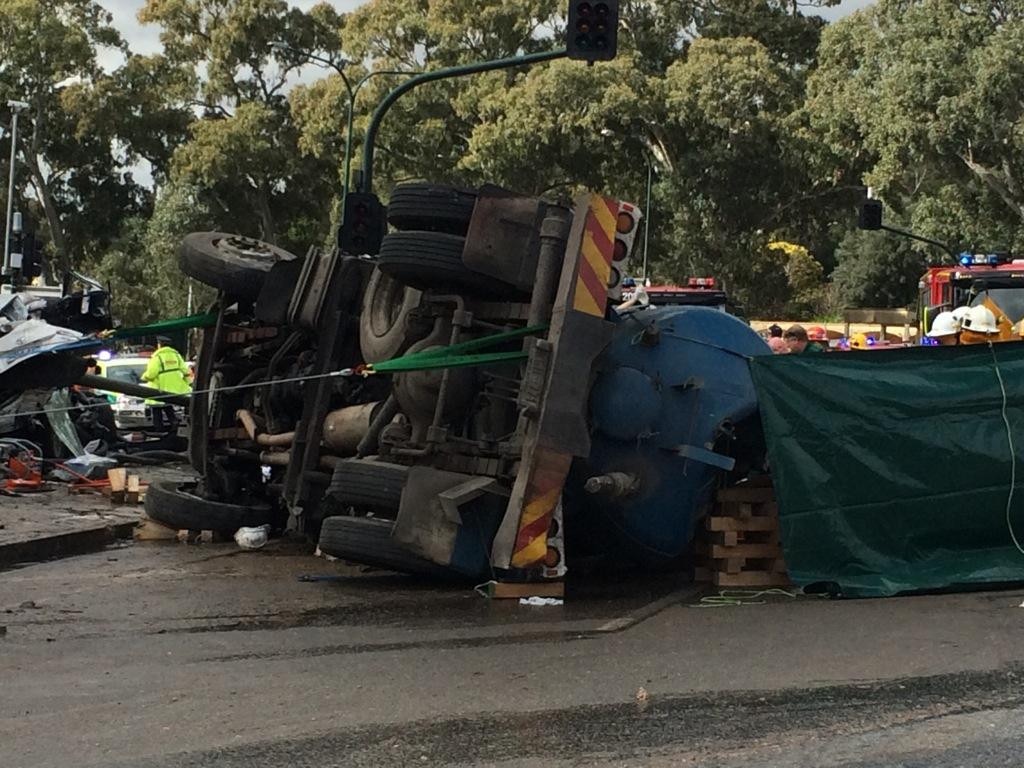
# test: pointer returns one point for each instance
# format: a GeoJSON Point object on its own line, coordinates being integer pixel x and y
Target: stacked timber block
{"type": "Point", "coordinates": [125, 488]}
{"type": "Point", "coordinates": [741, 546]}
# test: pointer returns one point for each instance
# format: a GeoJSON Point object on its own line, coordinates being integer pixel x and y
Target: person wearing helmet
{"type": "Point", "coordinates": [979, 326]}
{"type": "Point", "coordinates": [945, 329]}
{"type": "Point", "coordinates": [861, 340]}
{"type": "Point", "coordinates": [818, 336]}
{"type": "Point", "coordinates": [958, 314]}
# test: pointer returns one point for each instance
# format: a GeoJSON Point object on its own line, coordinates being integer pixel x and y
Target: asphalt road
{"type": "Point", "coordinates": [176, 655]}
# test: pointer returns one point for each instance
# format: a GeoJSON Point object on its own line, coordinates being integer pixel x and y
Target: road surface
{"type": "Point", "coordinates": [168, 654]}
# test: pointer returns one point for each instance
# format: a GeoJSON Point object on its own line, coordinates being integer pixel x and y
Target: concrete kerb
{"type": "Point", "coordinates": [66, 543]}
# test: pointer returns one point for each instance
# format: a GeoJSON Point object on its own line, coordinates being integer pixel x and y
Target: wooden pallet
{"type": "Point", "coordinates": [119, 487]}
{"type": "Point", "coordinates": [741, 546]}
{"type": "Point", "coordinates": [151, 530]}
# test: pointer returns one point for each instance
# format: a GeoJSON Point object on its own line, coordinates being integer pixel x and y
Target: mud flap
{"type": "Point", "coordinates": [437, 511]}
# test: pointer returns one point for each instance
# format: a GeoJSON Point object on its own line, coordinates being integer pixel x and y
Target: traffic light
{"type": "Point", "coordinates": [31, 257]}
{"type": "Point", "coordinates": [870, 216]}
{"type": "Point", "coordinates": [593, 29]}
{"type": "Point", "coordinates": [363, 225]}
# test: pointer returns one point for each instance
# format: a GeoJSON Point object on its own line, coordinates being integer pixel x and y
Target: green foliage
{"type": "Point", "coordinates": [876, 269]}
{"type": "Point", "coordinates": [74, 151]}
{"type": "Point", "coordinates": [920, 99]}
{"type": "Point", "coordinates": [759, 123]}
{"type": "Point", "coordinates": [243, 158]}
{"type": "Point", "coordinates": [142, 268]}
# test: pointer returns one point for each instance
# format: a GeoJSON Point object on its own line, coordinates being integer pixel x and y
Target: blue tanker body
{"type": "Point", "coordinates": [670, 386]}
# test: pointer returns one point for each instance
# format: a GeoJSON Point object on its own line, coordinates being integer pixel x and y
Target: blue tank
{"type": "Point", "coordinates": [669, 388]}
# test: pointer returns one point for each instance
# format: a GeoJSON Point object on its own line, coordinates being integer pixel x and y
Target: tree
{"type": "Point", "coordinates": [243, 157]}
{"type": "Point", "coordinates": [876, 269]}
{"type": "Point", "coordinates": [78, 139]}
{"type": "Point", "coordinates": [717, 118]}
{"type": "Point", "coordinates": [142, 266]}
{"type": "Point", "coordinates": [578, 126]}
{"type": "Point", "coordinates": [738, 170]}
{"type": "Point", "coordinates": [919, 99]}
{"type": "Point", "coordinates": [790, 37]}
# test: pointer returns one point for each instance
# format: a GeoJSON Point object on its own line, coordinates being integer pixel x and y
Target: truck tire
{"type": "Point", "coordinates": [433, 260]}
{"type": "Point", "coordinates": [383, 323]}
{"type": "Point", "coordinates": [177, 505]}
{"type": "Point", "coordinates": [367, 540]}
{"type": "Point", "coordinates": [371, 486]}
{"type": "Point", "coordinates": [234, 264]}
{"type": "Point", "coordinates": [434, 207]}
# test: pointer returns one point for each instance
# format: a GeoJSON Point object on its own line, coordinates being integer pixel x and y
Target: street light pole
{"type": "Point", "coordinates": [370, 139]}
{"type": "Point", "coordinates": [353, 92]}
{"type": "Point", "coordinates": [647, 213]}
{"type": "Point", "coordinates": [16, 107]}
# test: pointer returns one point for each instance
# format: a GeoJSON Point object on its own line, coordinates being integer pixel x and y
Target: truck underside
{"type": "Point", "coordinates": [466, 400]}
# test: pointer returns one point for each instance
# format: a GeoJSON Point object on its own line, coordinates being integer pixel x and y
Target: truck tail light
{"type": "Point", "coordinates": [627, 225]}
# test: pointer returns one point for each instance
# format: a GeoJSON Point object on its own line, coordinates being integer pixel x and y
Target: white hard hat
{"type": "Point", "coordinates": [959, 313]}
{"type": "Point", "coordinates": [944, 324]}
{"type": "Point", "coordinates": [980, 320]}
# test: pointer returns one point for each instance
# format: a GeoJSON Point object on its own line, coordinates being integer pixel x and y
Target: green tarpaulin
{"type": "Point", "coordinates": [892, 467]}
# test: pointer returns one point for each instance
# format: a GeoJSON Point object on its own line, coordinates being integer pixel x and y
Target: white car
{"type": "Point", "coordinates": [129, 412]}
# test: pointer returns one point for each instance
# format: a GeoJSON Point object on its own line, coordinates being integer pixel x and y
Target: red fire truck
{"type": "Point", "coordinates": [994, 280]}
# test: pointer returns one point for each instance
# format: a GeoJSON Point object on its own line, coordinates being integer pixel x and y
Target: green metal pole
{"type": "Point", "coordinates": [353, 91]}
{"type": "Point", "coordinates": [366, 183]}
{"type": "Point", "coordinates": [348, 139]}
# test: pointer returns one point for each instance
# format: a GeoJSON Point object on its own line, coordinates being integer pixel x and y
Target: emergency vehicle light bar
{"type": "Point", "coordinates": [987, 259]}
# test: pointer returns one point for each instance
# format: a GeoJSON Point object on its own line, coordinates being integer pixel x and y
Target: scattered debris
{"type": "Point", "coordinates": [642, 698]}
{"type": "Point", "coordinates": [510, 590]}
{"type": "Point", "coordinates": [252, 538]}
{"type": "Point", "coordinates": [732, 597]}
{"type": "Point", "coordinates": [540, 601]}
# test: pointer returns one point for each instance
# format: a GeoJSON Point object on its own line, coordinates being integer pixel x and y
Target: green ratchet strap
{"type": "Point", "coordinates": [205, 320]}
{"type": "Point", "coordinates": [455, 356]}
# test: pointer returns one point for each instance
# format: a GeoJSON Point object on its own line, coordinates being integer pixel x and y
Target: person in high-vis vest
{"type": "Point", "coordinates": [168, 372]}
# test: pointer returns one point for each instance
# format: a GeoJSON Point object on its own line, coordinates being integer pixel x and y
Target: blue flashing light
{"type": "Point", "coordinates": [966, 259]}
{"type": "Point", "coordinates": [993, 259]}
{"type": "Point", "coordinates": [105, 354]}
{"type": "Point", "coordinates": [871, 341]}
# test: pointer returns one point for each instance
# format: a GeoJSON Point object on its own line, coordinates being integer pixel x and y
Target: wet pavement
{"type": "Point", "coordinates": [166, 654]}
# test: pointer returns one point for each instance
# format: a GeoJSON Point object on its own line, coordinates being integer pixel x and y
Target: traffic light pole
{"type": "Point", "coordinates": [366, 182]}
{"type": "Point", "coordinates": [919, 238]}
{"type": "Point", "coordinates": [16, 107]}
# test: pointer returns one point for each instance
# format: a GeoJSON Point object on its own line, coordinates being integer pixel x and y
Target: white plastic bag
{"type": "Point", "coordinates": [252, 538]}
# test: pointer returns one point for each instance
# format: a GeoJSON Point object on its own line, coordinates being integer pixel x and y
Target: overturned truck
{"type": "Point", "coordinates": [468, 402]}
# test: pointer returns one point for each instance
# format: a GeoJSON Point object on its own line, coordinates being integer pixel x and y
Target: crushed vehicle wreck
{"type": "Point", "coordinates": [468, 401]}
{"type": "Point", "coordinates": [43, 349]}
